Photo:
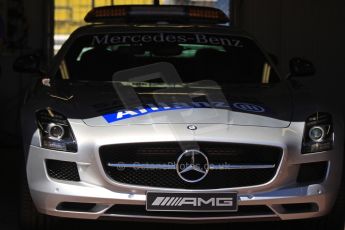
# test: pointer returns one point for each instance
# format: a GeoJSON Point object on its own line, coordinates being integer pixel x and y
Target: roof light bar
{"type": "Point", "coordinates": [149, 13]}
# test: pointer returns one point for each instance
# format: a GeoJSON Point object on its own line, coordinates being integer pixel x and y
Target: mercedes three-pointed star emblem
{"type": "Point", "coordinates": [192, 166]}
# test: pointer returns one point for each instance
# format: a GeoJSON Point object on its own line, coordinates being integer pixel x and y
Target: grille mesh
{"type": "Point", "coordinates": [168, 152]}
{"type": "Point", "coordinates": [252, 210]}
{"type": "Point", "coordinates": [312, 172]}
{"type": "Point", "coordinates": [62, 170]}
{"type": "Point", "coordinates": [214, 180]}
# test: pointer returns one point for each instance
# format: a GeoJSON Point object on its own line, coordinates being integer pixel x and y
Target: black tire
{"type": "Point", "coordinates": [29, 217]}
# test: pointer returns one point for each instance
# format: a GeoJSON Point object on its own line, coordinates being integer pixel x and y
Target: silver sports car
{"type": "Point", "coordinates": [166, 113]}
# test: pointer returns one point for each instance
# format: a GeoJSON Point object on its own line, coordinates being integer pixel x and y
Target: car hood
{"type": "Point", "coordinates": [104, 104]}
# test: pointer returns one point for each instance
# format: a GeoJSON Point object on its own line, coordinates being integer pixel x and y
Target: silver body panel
{"type": "Point", "coordinates": [196, 116]}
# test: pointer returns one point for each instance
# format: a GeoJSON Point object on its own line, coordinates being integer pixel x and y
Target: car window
{"type": "Point", "coordinates": [196, 56]}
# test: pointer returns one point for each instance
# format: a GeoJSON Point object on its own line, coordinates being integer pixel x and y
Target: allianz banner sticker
{"type": "Point", "coordinates": [135, 38]}
{"type": "Point", "coordinates": [160, 107]}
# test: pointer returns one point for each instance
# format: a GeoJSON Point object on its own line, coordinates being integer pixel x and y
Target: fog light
{"type": "Point", "coordinates": [55, 131]}
{"type": "Point", "coordinates": [316, 134]}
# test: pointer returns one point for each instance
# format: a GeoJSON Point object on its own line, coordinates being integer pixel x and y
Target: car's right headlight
{"type": "Point", "coordinates": [318, 133]}
{"type": "Point", "coordinates": [55, 131]}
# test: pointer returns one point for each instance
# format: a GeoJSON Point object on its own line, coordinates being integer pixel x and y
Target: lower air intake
{"type": "Point", "coordinates": [62, 170]}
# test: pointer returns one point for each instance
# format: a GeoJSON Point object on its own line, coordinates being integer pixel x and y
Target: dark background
{"type": "Point", "coordinates": [313, 29]}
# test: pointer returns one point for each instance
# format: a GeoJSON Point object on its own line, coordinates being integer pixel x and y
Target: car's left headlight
{"type": "Point", "coordinates": [318, 133]}
{"type": "Point", "coordinates": [55, 131]}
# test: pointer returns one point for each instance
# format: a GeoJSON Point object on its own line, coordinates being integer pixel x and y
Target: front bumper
{"type": "Point", "coordinates": [97, 189]}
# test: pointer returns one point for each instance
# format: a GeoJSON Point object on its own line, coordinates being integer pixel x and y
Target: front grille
{"type": "Point", "coordinates": [167, 153]}
{"type": "Point", "coordinates": [62, 170]}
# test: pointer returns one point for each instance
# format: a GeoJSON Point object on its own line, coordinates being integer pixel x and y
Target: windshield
{"type": "Point", "coordinates": [196, 57]}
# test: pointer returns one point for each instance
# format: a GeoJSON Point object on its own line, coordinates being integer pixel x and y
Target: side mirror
{"type": "Point", "coordinates": [300, 67]}
{"type": "Point", "coordinates": [27, 64]}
